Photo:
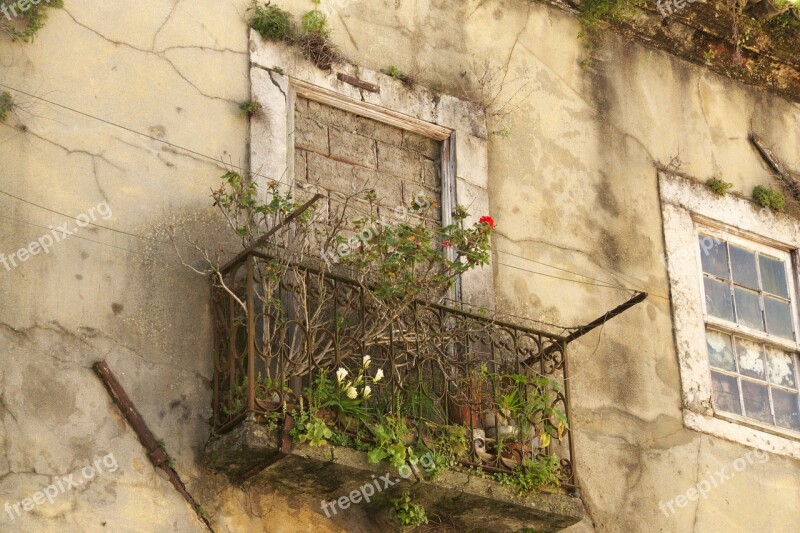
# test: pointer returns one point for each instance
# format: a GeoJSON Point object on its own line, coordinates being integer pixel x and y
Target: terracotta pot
{"type": "Point", "coordinates": [460, 411]}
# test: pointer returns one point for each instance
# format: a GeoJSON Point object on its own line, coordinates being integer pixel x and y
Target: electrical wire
{"type": "Point", "coordinates": [561, 269]}
{"type": "Point", "coordinates": [291, 185]}
{"type": "Point", "coordinates": [87, 222]}
{"type": "Point", "coordinates": [567, 279]}
{"type": "Point", "coordinates": [71, 235]}
{"type": "Point", "coordinates": [156, 139]}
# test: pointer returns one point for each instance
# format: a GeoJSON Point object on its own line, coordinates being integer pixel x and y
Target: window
{"type": "Point", "coordinates": [751, 332]}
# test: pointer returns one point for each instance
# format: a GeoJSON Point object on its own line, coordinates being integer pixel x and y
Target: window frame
{"type": "Point", "coordinates": [734, 329]}
{"type": "Point", "coordinates": [689, 208]}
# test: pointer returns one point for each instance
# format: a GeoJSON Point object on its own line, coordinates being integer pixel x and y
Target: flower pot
{"type": "Point", "coordinates": [498, 432]}
{"type": "Point", "coordinates": [461, 411]}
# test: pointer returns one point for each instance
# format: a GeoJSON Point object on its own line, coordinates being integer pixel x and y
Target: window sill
{"type": "Point", "coordinates": [744, 432]}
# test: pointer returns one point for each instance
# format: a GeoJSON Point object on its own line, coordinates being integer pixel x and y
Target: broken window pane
{"type": "Point", "coordinates": [720, 351]}
{"type": "Point", "coordinates": [780, 366]}
{"type": "Point", "coordinates": [718, 299]}
{"type": "Point", "coordinates": [779, 317]}
{"type": "Point", "coordinates": [773, 276]}
{"type": "Point", "coordinates": [748, 308]}
{"type": "Point", "coordinates": [787, 410]}
{"type": "Point", "coordinates": [751, 360]}
{"type": "Point", "coordinates": [743, 264]}
{"type": "Point", "coordinates": [726, 393]}
{"type": "Point", "coordinates": [756, 401]}
{"type": "Point", "coordinates": [714, 256]}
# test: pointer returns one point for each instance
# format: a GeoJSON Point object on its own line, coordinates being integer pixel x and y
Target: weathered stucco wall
{"type": "Point", "coordinates": [574, 187]}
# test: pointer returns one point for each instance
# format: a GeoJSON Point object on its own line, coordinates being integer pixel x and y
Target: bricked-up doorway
{"type": "Point", "coordinates": [322, 133]}
{"type": "Point", "coordinates": [344, 153]}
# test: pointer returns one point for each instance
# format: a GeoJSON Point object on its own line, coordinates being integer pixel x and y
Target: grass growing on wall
{"type": "Point", "coordinates": [770, 198]}
{"type": "Point", "coordinates": [6, 105]}
{"type": "Point", "coordinates": [312, 35]}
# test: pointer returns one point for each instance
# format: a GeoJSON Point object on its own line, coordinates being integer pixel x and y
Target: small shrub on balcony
{"type": "Point", "coordinates": [382, 369]}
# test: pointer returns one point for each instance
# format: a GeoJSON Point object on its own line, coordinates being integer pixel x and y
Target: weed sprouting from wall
{"type": "Point", "coordinates": [250, 108]}
{"type": "Point", "coordinates": [22, 20]}
{"type": "Point", "coordinates": [770, 198]}
{"type": "Point", "coordinates": [272, 22]}
{"type": "Point", "coordinates": [312, 36]}
{"type": "Point", "coordinates": [720, 187]}
{"type": "Point", "coordinates": [6, 105]}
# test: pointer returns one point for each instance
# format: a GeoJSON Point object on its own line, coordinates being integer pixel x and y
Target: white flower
{"type": "Point", "coordinates": [378, 376]}
{"type": "Point", "coordinates": [367, 391]}
{"type": "Point", "coordinates": [352, 393]}
{"type": "Point", "coordinates": [341, 374]}
{"type": "Point", "coordinates": [366, 361]}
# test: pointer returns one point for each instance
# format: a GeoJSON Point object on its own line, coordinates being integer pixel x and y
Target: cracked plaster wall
{"type": "Point", "coordinates": [574, 186]}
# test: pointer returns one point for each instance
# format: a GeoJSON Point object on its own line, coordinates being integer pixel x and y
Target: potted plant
{"type": "Point", "coordinates": [464, 407]}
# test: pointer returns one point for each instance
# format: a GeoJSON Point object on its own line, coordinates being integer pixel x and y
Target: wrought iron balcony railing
{"type": "Point", "coordinates": [279, 327]}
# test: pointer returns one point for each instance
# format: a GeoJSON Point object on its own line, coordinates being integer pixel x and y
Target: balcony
{"type": "Point", "coordinates": [319, 388]}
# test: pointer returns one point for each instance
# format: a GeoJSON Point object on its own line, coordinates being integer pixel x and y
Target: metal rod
{"type": "Point", "coordinates": [251, 337]}
{"type": "Point", "coordinates": [583, 330]}
{"type": "Point", "coordinates": [261, 240]}
{"type": "Point", "coordinates": [568, 413]}
{"type": "Point", "coordinates": [157, 455]}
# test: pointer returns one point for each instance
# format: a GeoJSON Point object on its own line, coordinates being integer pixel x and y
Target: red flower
{"type": "Point", "coordinates": [447, 244]}
{"type": "Point", "coordinates": [487, 220]}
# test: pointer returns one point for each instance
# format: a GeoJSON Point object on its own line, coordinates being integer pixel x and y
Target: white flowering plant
{"type": "Point", "coordinates": [344, 396]}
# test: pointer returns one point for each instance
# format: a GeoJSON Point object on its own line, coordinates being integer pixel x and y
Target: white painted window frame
{"type": "Point", "coordinates": [689, 209]}
{"type": "Point", "coordinates": [740, 330]}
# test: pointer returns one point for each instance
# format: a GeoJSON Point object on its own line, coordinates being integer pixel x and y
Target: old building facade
{"type": "Point", "coordinates": [591, 155]}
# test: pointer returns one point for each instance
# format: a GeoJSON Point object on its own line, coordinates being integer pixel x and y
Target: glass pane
{"type": "Point", "coordinates": [756, 401]}
{"type": "Point", "coordinates": [714, 256]}
{"type": "Point", "coordinates": [748, 308]}
{"type": "Point", "coordinates": [718, 299]}
{"type": "Point", "coordinates": [787, 410]}
{"type": "Point", "coordinates": [726, 393]}
{"type": "Point", "coordinates": [743, 264]}
{"type": "Point", "coordinates": [779, 317]}
{"type": "Point", "coordinates": [751, 360]}
{"type": "Point", "coordinates": [773, 276]}
{"type": "Point", "coordinates": [720, 351]}
{"type": "Point", "coordinates": [781, 368]}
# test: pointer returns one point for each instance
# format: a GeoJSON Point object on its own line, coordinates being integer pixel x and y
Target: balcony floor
{"type": "Point", "coordinates": [468, 502]}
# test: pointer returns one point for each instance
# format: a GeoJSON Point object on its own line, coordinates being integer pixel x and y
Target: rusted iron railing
{"type": "Point", "coordinates": [276, 329]}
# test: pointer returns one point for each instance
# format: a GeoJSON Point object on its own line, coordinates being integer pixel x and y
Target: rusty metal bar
{"type": "Point", "coordinates": [251, 336]}
{"type": "Point", "coordinates": [568, 413]}
{"type": "Point", "coordinates": [158, 456]}
{"type": "Point", "coordinates": [261, 240]}
{"type": "Point", "coordinates": [355, 82]}
{"type": "Point", "coordinates": [618, 310]}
